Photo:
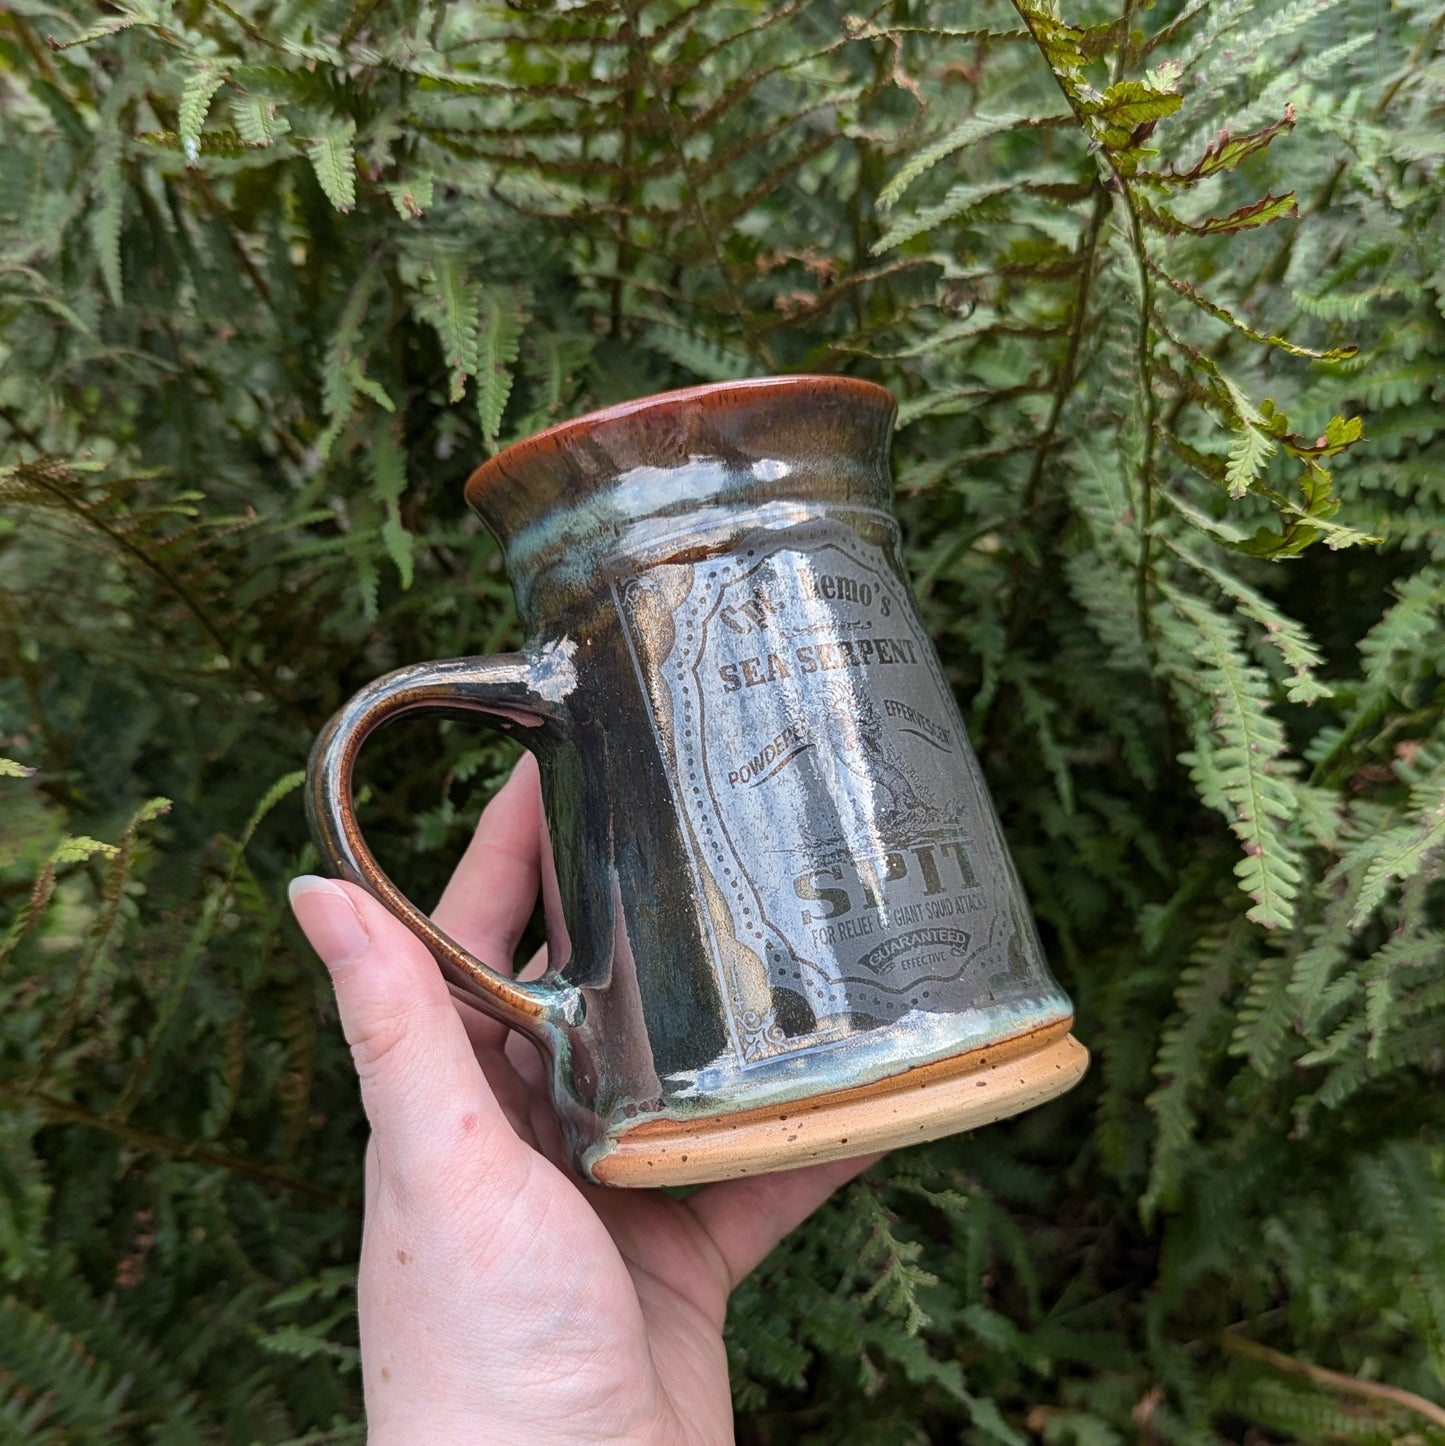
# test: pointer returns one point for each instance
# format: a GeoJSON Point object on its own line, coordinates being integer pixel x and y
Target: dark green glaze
{"type": "Point", "coordinates": [777, 873]}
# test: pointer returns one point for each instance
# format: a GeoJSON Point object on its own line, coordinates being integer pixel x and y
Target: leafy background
{"type": "Point", "coordinates": [1160, 294]}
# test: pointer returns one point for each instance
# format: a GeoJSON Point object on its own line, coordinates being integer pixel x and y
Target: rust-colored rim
{"type": "Point", "coordinates": [713, 396]}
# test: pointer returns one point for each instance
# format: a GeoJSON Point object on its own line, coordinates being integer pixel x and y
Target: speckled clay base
{"type": "Point", "coordinates": [921, 1104]}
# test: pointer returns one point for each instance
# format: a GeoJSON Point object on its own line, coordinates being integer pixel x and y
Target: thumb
{"type": "Point", "coordinates": [430, 1108]}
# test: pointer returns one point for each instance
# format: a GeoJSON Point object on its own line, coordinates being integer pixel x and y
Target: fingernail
{"type": "Point", "coordinates": [328, 919]}
{"type": "Point", "coordinates": [527, 763]}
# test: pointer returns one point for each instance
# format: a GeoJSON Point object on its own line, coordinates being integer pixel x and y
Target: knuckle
{"type": "Point", "coordinates": [382, 1036]}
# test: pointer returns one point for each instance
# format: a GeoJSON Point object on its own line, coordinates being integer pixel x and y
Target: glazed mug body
{"type": "Point", "coordinates": [783, 924]}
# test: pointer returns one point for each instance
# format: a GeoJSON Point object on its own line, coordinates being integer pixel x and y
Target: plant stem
{"type": "Point", "coordinates": [66, 1112]}
{"type": "Point", "coordinates": [1339, 1380]}
{"type": "Point", "coordinates": [1149, 408]}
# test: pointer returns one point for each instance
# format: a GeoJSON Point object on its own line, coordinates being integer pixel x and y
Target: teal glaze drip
{"type": "Point", "coordinates": [569, 551]}
{"type": "Point", "coordinates": [697, 972]}
{"type": "Point", "coordinates": [843, 1064]}
{"type": "Point", "coordinates": [865, 1058]}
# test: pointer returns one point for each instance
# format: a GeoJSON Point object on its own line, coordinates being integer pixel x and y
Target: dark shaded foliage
{"type": "Point", "coordinates": [1160, 293]}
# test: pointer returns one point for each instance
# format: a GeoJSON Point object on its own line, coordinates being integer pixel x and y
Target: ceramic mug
{"type": "Point", "coordinates": [782, 921]}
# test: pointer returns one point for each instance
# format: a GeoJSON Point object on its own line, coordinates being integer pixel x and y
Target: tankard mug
{"type": "Point", "coordinates": [782, 922]}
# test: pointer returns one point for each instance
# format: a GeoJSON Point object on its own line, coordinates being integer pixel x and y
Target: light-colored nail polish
{"type": "Point", "coordinates": [328, 919]}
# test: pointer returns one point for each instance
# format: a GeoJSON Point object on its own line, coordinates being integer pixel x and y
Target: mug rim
{"type": "Point", "coordinates": [708, 397]}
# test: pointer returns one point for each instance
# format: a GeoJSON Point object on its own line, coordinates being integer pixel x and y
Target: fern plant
{"type": "Point", "coordinates": [1159, 289]}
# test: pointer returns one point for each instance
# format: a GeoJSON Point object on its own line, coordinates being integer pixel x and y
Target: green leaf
{"type": "Point", "coordinates": [1183, 1061]}
{"type": "Point", "coordinates": [388, 465]}
{"type": "Point", "coordinates": [1400, 854]}
{"type": "Point", "coordinates": [106, 210]}
{"type": "Point", "coordinates": [400, 547]}
{"type": "Point", "coordinates": [257, 120]}
{"type": "Point", "coordinates": [498, 342]}
{"type": "Point", "coordinates": [388, 471]}
{"type": "Point", "coordinates": [702, 356]}
{"type": "Point", "coordinates": [450, 302]}
{"type": "Point", "coordinates": [411, 197]}
{"type": "Point", "coordinates": [201, 86]}
{"type": "Point", "coordinates": [1224, 153]}
{"type": "Point", "coordinates": [1267, 209]}
{"type": "Point", "coordinates": [333, 158]}
{"type": "Point", "coordinates": [343, 375]}
{"type": "Point", "coordinates": [1257, 213]}
{"type": "Point", "coordinates": [1266, 1018]}
{"type": "Point", "coordinates": [975, 128]}
{"type": "Point", "coordinates": [1252, 449]}
{"type": "Point", "coordinates": [1220, 313]}
{"type": "Point", "coordinates": [1238, 763]}
{"type": "Point", "coordinates": [282, 789]}
{"type": "Point", "coordinates": [959, 201]}
{"type": "Point", "coordinates": [1289, 637]}
{"type": "Point", "coordinates": [103, 31]}
{"type": "Point", "coordinates": [1126, 106]}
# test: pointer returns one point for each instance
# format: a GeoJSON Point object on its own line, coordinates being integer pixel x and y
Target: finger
{"type": "Point", "coordinates": [430, 1109]}
{"type": "Point", "coordinates": [744, 1219]}
{"type": "Point", "coordinates": [489, 901]}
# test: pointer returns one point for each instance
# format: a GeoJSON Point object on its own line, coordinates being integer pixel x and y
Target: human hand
{"type": "Point", "coordinates": [500, 1299]}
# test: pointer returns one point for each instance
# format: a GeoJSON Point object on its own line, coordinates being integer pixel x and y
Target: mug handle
{"type": "Point", "coordinates": [512, 691]}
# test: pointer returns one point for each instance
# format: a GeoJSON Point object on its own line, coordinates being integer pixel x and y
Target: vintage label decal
{"type": "Point", "coordinates": [851, 867]}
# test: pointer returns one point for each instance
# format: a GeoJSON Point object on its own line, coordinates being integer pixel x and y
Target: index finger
{"type": "Point", "coordinates": [489, 900]}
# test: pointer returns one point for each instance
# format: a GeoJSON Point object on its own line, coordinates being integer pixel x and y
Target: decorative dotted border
{"type": "Point", "coordinates": [756, 1039]}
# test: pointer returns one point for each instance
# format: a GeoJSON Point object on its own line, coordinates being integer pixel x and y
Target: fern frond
{"type": "Point", "coordinates": [1307, 1412]}
{"type": "Point", "coordinates": [1183, 1061]}
{"type": "Point", "coordinates": [1392, 648]}
{"type": "Point", "coordinates": [703, 357]}
{"type": "Point", "coordinates": [94, 962]}
{"type": "Point", "coordinates": [1244, 46]}
{"type": "Point", "coordinates": [498, 342]}
{"type": "Point", "coordinates": [333, 158]}
{"type": "Point", "coordinates": [413, 196]}
{"type": "Point", "coordinates": [52, 1364]}
{"type": "Point", "coordinates": [1224, 18]}
{"type": "Point", "coordinates": [1265, 1018]}
{"type": "Point", "coordinates": [389, 481]}
{"type": "Point", "coordinates": [899, 1279]}
{"type": "Point", "coordinates": [1354, 1067]}
{"type": "Point", "coordinates": [1283, 633]}
{"type": "Point", "coordinates": [343, 375]}
{"type": "Point", "coordinates": [1399, 653]}
{"type": "Point", "coordinates": [1400, 854]}
{"type": "Point", "coordinates": [25, 1195]}
{"type": "Point", "coordinates": [257, 120]}
{"type": "Point", "coordinates": [966, 133]}
{"type": "Point", "coordinates": [1040, 710]}
{"type": "Point", "coordinates": [196, 96]}
{"type": "Point", "coordinates": [218, 898]}
{"type": "Point", "coordinates": [967, 197]}
{"type": "Point", "coordinates": [1320, 982]}
{"type": "Point", "coordinates": [1238, 763]}
{"type": "Point", "coordinates": [104, 221]}
{"type": "Point", "coordinates": [24, 1417]}
{"type": "Point", "coordinates": [450, 302]}
{"type": "Point", "coordinates": [1225, 153]}
{"type": "Point", "coordinates": [157, 1385]}
{"type": "Point", "coordinates": [1400, 1192]}
{"type": "Point", "coordinates": [1252, 449]}
{"type": "Point", "coordinates": [73, 849]}
{"type": "Point", "coordinates": [1220, 313]}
